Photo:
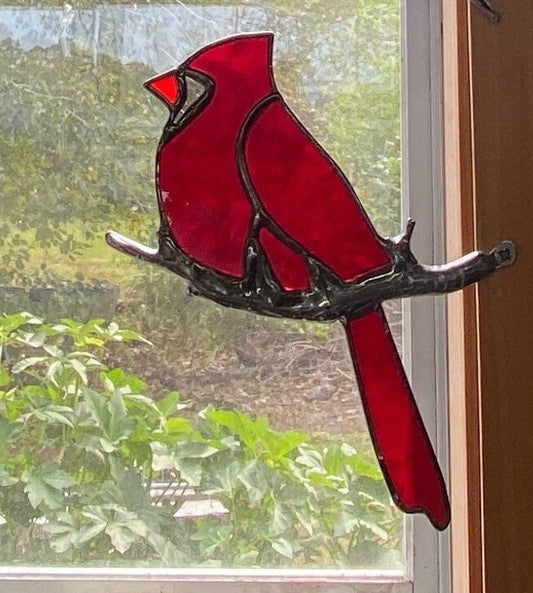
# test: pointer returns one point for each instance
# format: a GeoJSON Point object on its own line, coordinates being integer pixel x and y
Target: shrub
{"type": "Point", "coordinates": [82, 450]}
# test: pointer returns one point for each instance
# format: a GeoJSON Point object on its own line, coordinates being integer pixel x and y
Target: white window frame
{"type": "Point", "coordinates": [424, 342]}
{"type": "Point", "coordinates": [425, 317]}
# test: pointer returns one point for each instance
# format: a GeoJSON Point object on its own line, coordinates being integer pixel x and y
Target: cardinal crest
{"type": "Point", "coordinates": [256, 215]}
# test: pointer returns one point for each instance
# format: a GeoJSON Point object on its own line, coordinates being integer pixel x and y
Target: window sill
{"type": "Point", "coordinates": [161, 580]}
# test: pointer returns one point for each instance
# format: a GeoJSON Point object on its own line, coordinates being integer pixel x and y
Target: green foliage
{"type": "Point", "coordinates": [59, 146]}
{"type": "Point", "coordinates": [62, 160]}
{"type": "Point", "coordinates": [82, 449]}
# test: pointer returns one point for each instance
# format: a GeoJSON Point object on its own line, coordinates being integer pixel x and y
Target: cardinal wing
{"type": "Point", "coordinates": [400, 439]}
{"type": "Point", "coordinates": [305, 195]}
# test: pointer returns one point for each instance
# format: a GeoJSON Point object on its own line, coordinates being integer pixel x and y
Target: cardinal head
{"type": "Point", "coordinates": [240, 68]}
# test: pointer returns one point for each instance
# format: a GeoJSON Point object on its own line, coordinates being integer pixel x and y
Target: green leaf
{"type": "Point", "coordinates": [27, 363]}
{"type": "Point", "coordinates": [187, 458]}
{"type": "Point", "coordinates": [111, 415]}
{"type": "Point", "coordinates": [80, 369]}
{"type": "Point", "coordinates": [188, 449]}
{"type": "Point", "coordinates": [34, 339]}
{"type": "Point", "coordinates": [190, 470]}
{"type": "Point", "coordinates": [53, 476]}
{"type": "Point", "coordinates": [6, 479]}
{"type": "Point", "coordinates": [226, 478]}
{"type": "Point", "coordinates": [68, 532]}
{"type": "Point", "coordinates": [165, 549]}
{"type": "Point", "coordinates": [10, 323]}
{"type": "Point", "coordinates": [375, 529]}
{"type": "Point", "coordinates": [347, 450]}
{"type": "Point", "coordinates": [345, 522]}
{"type": "Point", "coordinates": [129, 335]}
{"type": "Point", "coordinates": [283, 546]}
{"type": "Point", "coordinates": [62, 543]}
{"type": "Point", "coordinates": [334, 460]}
{"type": "Point", "coordinates": [212, 536]}
{"type": "Point", "coordinates": [248, 430]}
{"type": "Point", "coordinates": [123, 527]}
{"type": "Point", "coordinates": [97, 516]}
{"type": "Point", "coordinates": [119, 426]}
{"type": "Point", "coordinates": [97, 404]}
{"type": "Point", "coordinates": [321, 479]}
{"type": "Point", "coordinates": [129, 483]}
{"type": "Point", "coordinates": [169, 404]}
{"type": "Point", "coordinates": [246, 559]}
{"type": "Point", "coordinates": [46, 484]}
{"type": "Point", "coordinates": [87, 533]}
{"type": "Point", "coordinates": [5, 377]}
{"type": "Point", "coordinates": [363, 467]}
{"type": "Point", "coordinates": [122, 535]}
{"type": "Point", "coordinates": [119, 379]}
{"type": "Point", "coordinates": [55, 414]}
{"type": "Point", "coordinates": [54, 369]}
{"type": "Point", "coordinates": [9, 431]}
{"type": "Point", "coordinates": [178, 426]}
{"type": "Point", "coordinates": [53, 350]}
{"type": "Point", "coordinates": [278, 445]}
{"type": "Point", "coordinates": [162, 458]}
{"type": "Point", "coordinates": [306, 519]}
{"type": "Point", "coordinates": [310, 458]}
{"type": "Point", "coordinates": [281, 521]}
{"type": "Point", "coordinates": [256, 479]}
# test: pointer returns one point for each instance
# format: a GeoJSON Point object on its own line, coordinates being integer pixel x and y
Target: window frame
{"type": "Point", "coordinates": [425, 317]}
{"type": "Point", "coordinates": [424, 341]}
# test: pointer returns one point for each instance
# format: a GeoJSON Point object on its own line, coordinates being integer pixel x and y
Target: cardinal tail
{"type": "Point", "coordinates": [401, 442]}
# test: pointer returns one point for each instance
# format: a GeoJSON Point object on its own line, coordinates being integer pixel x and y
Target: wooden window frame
{"type": "Point", "coordinates": [488, 82]}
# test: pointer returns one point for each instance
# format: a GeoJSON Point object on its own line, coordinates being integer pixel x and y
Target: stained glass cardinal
{"type": "Point", "coordinates": [256, 215]}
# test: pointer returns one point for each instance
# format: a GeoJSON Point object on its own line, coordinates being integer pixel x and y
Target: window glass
{"type": "Point", "coordinates": [221, 438]}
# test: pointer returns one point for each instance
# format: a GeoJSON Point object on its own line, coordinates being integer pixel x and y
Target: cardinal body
{"type": "Point", "coordinates": [240, 181]}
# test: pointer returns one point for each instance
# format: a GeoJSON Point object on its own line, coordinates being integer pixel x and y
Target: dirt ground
{"type": "Point", "coordinates": [301, 380]}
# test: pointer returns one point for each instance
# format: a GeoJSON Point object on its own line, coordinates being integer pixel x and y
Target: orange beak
{"type": "Point", "coordinates": [165, 87]}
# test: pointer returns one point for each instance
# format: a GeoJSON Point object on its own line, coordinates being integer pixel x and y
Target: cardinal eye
{"type": "Point", "coordinates": [196, 92]}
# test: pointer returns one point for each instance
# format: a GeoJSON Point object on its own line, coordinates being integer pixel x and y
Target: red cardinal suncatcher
{"type": "Point", "coordinates": [256, 215]}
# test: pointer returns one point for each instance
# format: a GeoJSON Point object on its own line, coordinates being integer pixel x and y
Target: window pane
{"type": "Point", "coordinates": [230, 439]}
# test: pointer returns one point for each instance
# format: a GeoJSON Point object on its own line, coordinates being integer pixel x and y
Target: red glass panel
{"type": "Point", "coordinates": [290, 269]}
{"type": "Point", "coordinates": [307, 195]}
{"type": "Point", "coordinates": [165, 87]}
{"type": "Point", "coordinates": [400, 439]}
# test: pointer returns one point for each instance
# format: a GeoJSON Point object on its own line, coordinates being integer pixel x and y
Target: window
{"type": "Point", "coordinates": [79, 131]}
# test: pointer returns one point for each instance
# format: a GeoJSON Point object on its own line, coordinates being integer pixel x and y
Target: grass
{"type": "Point", "coordinates": [96, 261]}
